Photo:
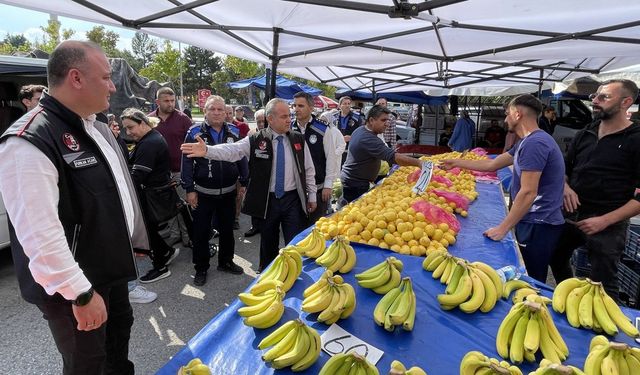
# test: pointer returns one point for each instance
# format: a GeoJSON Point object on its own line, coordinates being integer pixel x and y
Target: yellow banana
{"type": "Point", "coordinates": [600, 311]}
{"type": "Point", "coordinates": [573, 304]}
{"type": "Point", "coordinates": [319, 246]}
{"type": "Point", "coordinates": [598, 340]}
{"type": "Point", "coordinates": [393, 282]}
{"type": "Point", "coordinates": [435, 263]}
{"type": "Point", "coordinates": [461, 294]}
{"type": "Point", "coordinates": [609, 365]}
{"type": "Point", "coordinates": [341, 259]}
{"type": "Point", "coordinates": [312, 355]}
{"type": "Point", "coordinates": [380, 312]}
{"type": "Point", "coordinates": [318, 301]}
{"type": "Point", "coordinates": [318, 285]}
{"type": "Point", "coordinates": [516, 348]}
{"type": "Point", "coordinates": [491, 272]}
{"type": "Point", "coordinates": [398, 366]}
{"type": "Point", "coordinates": [632, 363]}
{"type": "Point", "coordinates": [562, 290]}
{"type": "Point", "coordinates": [456, 274]}
{"type": "Point", "coordinates": [296, 353]}
{"type": "Point", "coordinates": [621, 362]}
{"type": "Point", "coordinates": [426, 264]}
{"type": "Point", "coordinates": [328, 313]}
{"type": "Point", "coordinates": [277, 335]}
{"type": "Point", "coordinates": [490, 295]}
{"type": "Point", "coordinates": [437, 273]}
{"type": "Point", "coordinates": [406, 301]}
{"type": "Point", "coordinates": [330, 256]}
{"type": "Point", "coordinates": [447, 270]}
{"type": "Point", "coordinates": [382, 278]}
{"type": "Point", "coordinates": [532, 335]}
{"type": "Point", "coordinates": [256, 309]}
{"type": "Point", "coordinates": [373, 271]}
{"type": "Point", "coordinates": [521, 294]}
{"type": "Point", "coordinates": [271, 272]}
{"type": "Point", "coordinates": [415, 370]}
{"type": "Point", "coordinates": [293, 271]}
{"type": "Point", "coordinates": [512, 285]}
{"type": "Point", "coordinates": [305, 242]}
{"type": "Point", "coordinates": [554, 334]}
{"type": "Point", "coordinates": [333, 364]}
{"type": "Point", "coordinates": [477, 294]}
{"type": "Point", "coordinates": [267, 318]}
{"type": "Point", "coordinates": [263, 286]}
{"type": "Point", "coordinates": [351, 259]}
{"type": "Point", "coordinates": [350, 303]}
{"type": "Point", "coordinates": [282, 346]}
{"type": "Point", "coordinates": [397, 263]}
{"type": "Point", "coordinates": [616, 314]}
{"type": "Point", "coordinates": [505, 331]}
{"type": "Point", "coordinates": [593, 363]}
{"type": "Point", "coordinates": [250, 299]}
{"type": "Point", "coordinates": [472, 362]}
{"type": "Point", "coordinates": [547, 346]}
{"type": "Point", "coordinates": [407, 325]}
{"type": "Point", "coordinates": [585, 309]}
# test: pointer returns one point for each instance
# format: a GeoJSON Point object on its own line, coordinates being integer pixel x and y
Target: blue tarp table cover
{"type": "Point", "coordinates": [440, 338]}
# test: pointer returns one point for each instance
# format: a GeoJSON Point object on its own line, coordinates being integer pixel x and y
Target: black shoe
{"type": "Point", "coordinates": [155, 275]}
{"type": "Point", "coordinates": [213, 250]}
{"type": "Point", "coordinates": [231, 268]}
{"type": "Point", "coordinates": [172, 255]}
{"type": "Point", "coordinates": [200, 279]}
{"type": "Point", "coordinates": [214, 234]}
{"type": "Point", "coordinates": [236, 225]}
{"type": "Point", "coordinates": [252, 232]}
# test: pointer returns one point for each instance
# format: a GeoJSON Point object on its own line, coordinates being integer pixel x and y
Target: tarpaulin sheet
{"type": "Point", "coordinates": [440, 338]}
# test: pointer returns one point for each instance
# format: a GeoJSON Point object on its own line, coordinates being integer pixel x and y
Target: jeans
{"type": "Point", "coordinates": [537, 242]}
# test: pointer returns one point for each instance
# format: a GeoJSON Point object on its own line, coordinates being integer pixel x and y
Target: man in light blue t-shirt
{"type": "Point", "coordinates": [536, 189]}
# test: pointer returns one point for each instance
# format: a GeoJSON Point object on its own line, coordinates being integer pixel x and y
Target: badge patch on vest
{"type": "Point", "coordinates": [86, 162]}
{"type": "Point", "coordinates": [262, 145]}
{"type": "Point", "coordinates": [229, 140]}
{"type": "Point", "coordinates": [71, 142]}
{"type": "Point", "coordinates": [298, 146]}
{"type": "Point", "coordinates": [312, 139]}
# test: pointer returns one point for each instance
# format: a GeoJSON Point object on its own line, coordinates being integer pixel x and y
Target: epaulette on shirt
{"type": "Point", "coordinates": [195, 130]}
{"type": "Point", "coordinates": [233, 129]}
{"type": "Point", "coordinates": [319, 126]}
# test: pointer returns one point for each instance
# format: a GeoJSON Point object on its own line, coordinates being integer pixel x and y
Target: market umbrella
{"type": "Point", "coordinates": [285, 87]}
{"type": "Point", "coordinates": [324, 103]}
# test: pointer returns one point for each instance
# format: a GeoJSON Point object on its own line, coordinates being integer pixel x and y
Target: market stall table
{"type": "Point", "coordinates": [440, 338]}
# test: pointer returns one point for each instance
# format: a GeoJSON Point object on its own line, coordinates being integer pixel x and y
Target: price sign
{"type": "Point", "coordinates": [425, 177]}
{"type": "Point", "coordinates": [336, 340]}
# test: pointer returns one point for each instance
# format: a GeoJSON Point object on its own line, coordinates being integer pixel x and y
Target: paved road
{"type": "Point", "coordinates": [161, 328]}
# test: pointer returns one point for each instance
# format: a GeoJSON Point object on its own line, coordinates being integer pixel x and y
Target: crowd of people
{"type": "Point", "coordinates": [81, 177]}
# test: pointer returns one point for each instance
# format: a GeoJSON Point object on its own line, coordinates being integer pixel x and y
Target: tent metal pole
{"type": "Point", "coordinates": [540, 83]}
{"type": "Point", "coordinates": [267, 85]}
{"type": "Point", "coordinates": [373, 90]}
{"type": "Point", "coordinates": [274, 62]}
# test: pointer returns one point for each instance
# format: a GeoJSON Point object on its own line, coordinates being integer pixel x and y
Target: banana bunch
{"type": "Point", "coordinates": [475, 362]}
{"type": "Point", "coordinates": [194, 367]}
{"type": "Point", "coordinates": [293, 344]}
{"type": "Point", "coordinates": [397, 307]}
{"type": "Point", "coordinates": [522, 290]}
{"type": "Point", "coordinates": [527, 328]}
{"type": "Point", "coordinates": [611, 358]}
{"type": "Point", "coordinates": [313, 245]}
{"type": "Point", "coordinates": [339, 256]}
{"type": "Point", "coordinates": [549, 368]}
{"type": "Point", "coordinates": [397, 368]}
{"type": "Point", "coordinates": [286, 267]}
{"type": "Point", "coordinates": [471, 287]}
{"type": "Point", "coordinates": [349, 363]}
{"type": "Point", "coordinates": [331, 297]}
{"type": "Point", "coordinates": [382, 277]}
{"type": "Point", "coordinates": [265, 308]}
{"type": "Point", "coordinates": [434, 259]}
{"type": "Point", "coordinates": [588, 305]}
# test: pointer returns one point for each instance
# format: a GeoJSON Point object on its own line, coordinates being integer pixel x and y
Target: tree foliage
{"type": "Point", "coordinates": [234, 69]}
{"type": "Point", "coordinates": [166, 65]}
{"type": "Point", "coordinates": [144, 48]}
{"type": "Point", "coordinates": [106, 39]}
{"type": "Point", "coordinates": [13, 43]}
{"type": "Point", "coordinates": [53, 36]}
{"type": "Point", "coordinates": [200, 65]}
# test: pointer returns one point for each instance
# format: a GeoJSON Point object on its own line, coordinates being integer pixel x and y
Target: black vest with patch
{"type": "Point", "coordinates": [314, 135]}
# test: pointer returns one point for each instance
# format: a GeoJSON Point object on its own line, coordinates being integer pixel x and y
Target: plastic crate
{"type": "Point", "coordinates": [629, 281]}
{"type": "Point", "coordinates": [632, 247]}
{"type": "Point", "coordinates": [580, 262]}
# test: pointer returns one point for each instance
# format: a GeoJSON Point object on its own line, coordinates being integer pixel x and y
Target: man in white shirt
{"type": "Point", "coordinates": [74, 184]}
{"type": "Point", "coordinates": [282, 188]}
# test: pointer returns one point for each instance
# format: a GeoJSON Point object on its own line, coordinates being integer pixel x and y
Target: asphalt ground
{"type": "Point", "coordinates": [161, 328]}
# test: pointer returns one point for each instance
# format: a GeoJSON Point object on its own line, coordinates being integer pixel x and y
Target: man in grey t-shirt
{"type": "Point", "coordinates": [366, 150]}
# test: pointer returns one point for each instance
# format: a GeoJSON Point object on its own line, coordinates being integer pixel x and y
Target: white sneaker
{"type": "Point", "coordinates": [141, 295]}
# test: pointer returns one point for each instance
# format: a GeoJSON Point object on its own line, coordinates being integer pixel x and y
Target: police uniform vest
{"type": "Point", "coordinates": [90, 206]}
{"type": "Point", "coordinates": [260, 165]}
{"type": "Point", "coordinates": [314, 135]}
{"type": "Point", "coordinates": [348, 123]}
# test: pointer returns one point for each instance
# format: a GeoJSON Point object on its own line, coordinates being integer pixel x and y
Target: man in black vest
{"type": "Point", "coordinates": [74, 184]}
{"type": "Point", "coordinates": [322, 147]}
{"type": "Point", "coordinates": [281, 187]}
{"type": "Point", "coordinates": [211, 190]}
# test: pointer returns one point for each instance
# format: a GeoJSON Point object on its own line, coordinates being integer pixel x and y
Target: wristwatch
{"type": "Point", "coordinates": [83, 298]}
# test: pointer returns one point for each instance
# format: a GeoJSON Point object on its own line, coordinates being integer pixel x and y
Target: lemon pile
{"type": "Point", "coordinates": [383, 217]}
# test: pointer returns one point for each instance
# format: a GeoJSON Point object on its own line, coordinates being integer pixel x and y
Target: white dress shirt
{"type": "Point", "coordinates": [329, 144]}
{"type": "Point", "coordinates": [235, 151]}
{"type": "Point", "coordinates": [29, 187]}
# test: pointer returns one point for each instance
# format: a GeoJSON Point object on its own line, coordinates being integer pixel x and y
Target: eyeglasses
{"type": "Point", "coordinates": [600, 97]}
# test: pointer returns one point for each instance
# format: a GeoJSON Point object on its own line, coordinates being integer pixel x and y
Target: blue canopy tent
{"type": "Point", "coordinates": [411, 97]}
{"type": "Point", "coordinates": [285, 88]}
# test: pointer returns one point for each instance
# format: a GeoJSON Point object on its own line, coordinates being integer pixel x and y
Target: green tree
{"type": "Point", "coordinates": [234, 69]}
{"type": "Point", "coordinates": [166, 65]}
{"type": "Point", "coordinates": [200, 67]}
{"type": "Point", "coordinates": [242, 68]}
{"type": "Point", "coordinates": [14, 43]}
{"type": "Point", "coordinates": [135, 63]}
{"type": "Point", "coordinates": [144, 48]}
{"type": "Point", "coordinates": [106, 39]}
{"type": "Point", "coordinates": [53, 36]}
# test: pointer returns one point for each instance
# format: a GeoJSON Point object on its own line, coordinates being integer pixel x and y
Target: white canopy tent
{"type": "Point", "coordinates": [441, 46]}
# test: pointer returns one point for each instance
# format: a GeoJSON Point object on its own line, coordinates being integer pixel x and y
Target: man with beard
{"type": "Point", "coordinates": [601, 186]}
{"type": "Point", "coordinates": [537, 186]}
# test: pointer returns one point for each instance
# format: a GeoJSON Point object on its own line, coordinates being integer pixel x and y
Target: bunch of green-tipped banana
{"type": "Point", "coordinates": [349, 363]}
{"type": "Point", "coordinates": [435, 258]}
{"type": "Point", "coordinates": [194, 367]}
{"type": "Point", "coordinates": [527, 328]}
{"type": "Point", "coordinates": [549, 368]}
{"type": "Point", "coordinates": [331, 297]}
{"type": "Point", "coordinates": [611, 358]}
{"type": "Point", "coordinates": [339, 256]}
{"type": "Point", "coordinates": [382, 277]}
{"type": "Point", "coordinates": [313, 245]}
{"type": "Point", "coordinates": [264, 304]}
{"type": "Point", "coordinates": [475, 362]}
{"type": "Point", "coordinates": [397, 307]}
{"type": "Point", "coordinates": [397, 368]}
{"type": "Point", "coordinates": [286, 267]}
{"type": "Point", "coordinates": [471, 287]}
{"type": "Point", "coordinates": [588, 305]}
{"type": "Point", "coordinates": [522, 290]}
{"type": "Point", "coordinates": [293, 344]}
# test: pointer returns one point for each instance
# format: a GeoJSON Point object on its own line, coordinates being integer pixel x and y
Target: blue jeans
{"type": "Point", "coordinates": [537, 242]}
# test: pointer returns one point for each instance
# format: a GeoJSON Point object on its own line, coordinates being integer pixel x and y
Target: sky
{"type": "Point", "coordinates": [27, 22]}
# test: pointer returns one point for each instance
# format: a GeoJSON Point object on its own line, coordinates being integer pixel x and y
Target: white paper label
{"type": "Point", "coordinates": [336, 340]}
{"type": "Point", "coordinates": [424, 179]}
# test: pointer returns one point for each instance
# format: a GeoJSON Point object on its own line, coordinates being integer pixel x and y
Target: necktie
{"type": "Point", "coordinates": [279, 188]}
